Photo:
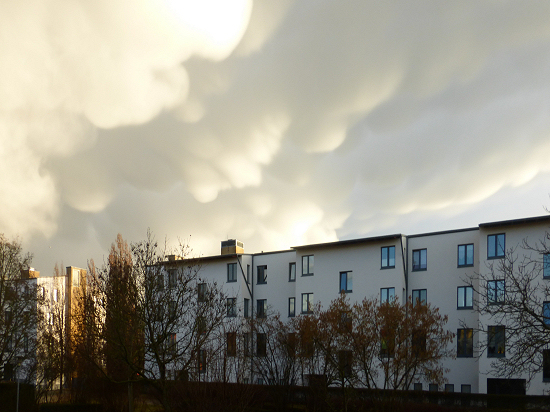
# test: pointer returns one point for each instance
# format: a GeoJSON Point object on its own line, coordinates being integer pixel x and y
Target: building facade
{"type": "Point", "coordinates": [441, 268]}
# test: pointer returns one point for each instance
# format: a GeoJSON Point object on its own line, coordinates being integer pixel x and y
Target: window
{"type": "Point", "coordinates": [307, 302]}
{"type": "Point", "coordinates": [546, 313]}
{"type": "Point", "coordinates": [247, 338]}
{"type": "Point", "coordinates": [387, 295]}
{"type": "Point", "coordinates": [291, 307]}
{"type": "Point", "coordinates": [387, 343]}
{"type": "Point", "coordinates": [449, 387]}
{"type": "Point", "coordinates": [419, 296]}
{"type": "Point", "coordinates": [344, 363]}
{"type": "Point", "coordinates": [76, 278]}
{"type": "Point", "coordinates": [496, 245]}
{"type": "Point", "coordinates": [54, 295]}
{"type": "Point", "coordinates": [172, 343]}
{"type": "Point", "coordinates": [495, 292]}
{"type": "Point", "coordinates": [466, 255]}
{"type": "Point", "coordinates": [418, 386]}
{"type": "Point", "coordinates": [418, 342]}
{"type": "Point", "coordinates": [201, 292]}
{"type": "Point", "coordinates": [160, 281]}
{"type": "Point", "coordinates": [262, 275]}
{"type": "Point", "coordinates": [307, 265]}
{"type": "Point", "coordinates": [246, 308]}
{"type": "Point", "coordinates": [346, 282]}
{"type": "Point", "coordinates": [231, 338]}
{"type": "Point", "coordinates": [466, 388]}
{"type": "Point", "coordinates": [9, 317]}
{"type": "Point", "coordinates": [420, 259]}
{"type": "Point", "coordinates": [465, 297]}
{"type": "Point", "coordinates": [261, 308]}
{"type": "Point", "coordinates": [247, 273]}
{"type": "Point", "coordinates": [201, 364]}
{"type": "Point", "coordinates": [546, 265]}
{"type": "Point", "coordinates": [464, 343]}
{"type": "Point", "coordinates": [172, 308]}
{"type": "Point", "coordinates": [292, 272]}
{"type": "Point", "coordinates": [261, 344]}
{"type": "Point", "coordinates": [231, 272]}
{"type": "Point", "coordinates": [231, 307]}
{"type": "Point", "coordinates": [201, 325]}
{"type": "Point", "coordinates": [345, 324]}
{"type": "Point", "coordinates": [495, 342]}
{"type": "Point", "coordinates": [546, 365]}
{"type": "Point", "coordinates": [388, 257]}
{"type": "Point", "coordinates": [433, 387]}
{"type": "Point", "coordinates": [172, 278]}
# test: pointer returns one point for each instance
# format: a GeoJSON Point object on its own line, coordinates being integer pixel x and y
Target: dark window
{"type": "Point", "coordinates": [307, 302]}
{"type": "Point", "coordinates": [261, 344]}
{"type": "Point", "coordinates": [231, 272]}
{"type": "Point", "coordinates": [464, 343]}
{"type": "Point", "coordinates": [201, 364]}
{"type": "Point", "coordinates": [246, 308]}
{"type": "Point", "coordinates": [346, 282]}
{"type": "Point", "coordinates": [496, 290]}
{"type": "Point", "coordinates": [261, 308]}
{"type": "Point", "coordinates": [173, 344]}
{"type": "Point", "coordinates": [345, 324]}
{"type": "Point", "coordinates": [387, 343]}
{"type": "Point", "coordinates": [201, 325]}
{"type": "Point", "coordinates": [433, 387]}
{"type": "Point", "coordinates": [307, 265]}
{"type": "Point", "coordinates": [546, 265]}
{"type": "Point", "coordinates": [419, 296]}
{"type": "Point", "coordinates": [172, 278]}
{"type": "Point", "coordinates": [231, 307]}
{"type": "Point", "coordinates": [496, 342]}
{"type": "Point", "coordinates": [262, 275]}
{"type": "Point", "coordinates": [292, 272]}
{"type": "Point", "coordinates": [247, 273]}
{"type": "Point", "coordinates": [387, 295]}
{"type": "Point", "coordinates": [449, 387]}
{"type": "Point", "coordinates": [344, 363]}
{"type": "Point", "coordinates": [201, 292]}
{"type": "Point", "coordinates": [388, 257]}
{"type": "Point", "coordinates": [466, 388]}
{"type": "Point", "coordinates": [247, 338]}
{"type": "Point", "coordinates": [418, 342]}
{"type": "Point", "coordinates": [546, 313]}
{"type": "Point", "coordinates": [417, 386]}
{"type": "Point", "coordinates": [420, 259]}
{"type": "Point", "coordinates": [172, 309]}
{"type": "Point", "coordinates": [496, 246]}
{"type": "Point", "coordinates": [466, 255]}
{"type": "Point", "coordinates": [231, 344]}
{"type": "Point", "coordinates": [291, 307]}
{"type": "Point", "coordinates": [546, 365]}
{"type": "Point", "coordinates": [465, 297]}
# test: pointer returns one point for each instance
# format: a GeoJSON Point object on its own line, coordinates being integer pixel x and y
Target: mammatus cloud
{"type": "Point", "coordinates": [279, 123]}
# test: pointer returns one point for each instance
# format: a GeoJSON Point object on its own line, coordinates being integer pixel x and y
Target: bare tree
{"type": "Point", "coordinates": [19, 302]}
{"type": "Point", "coordinates": [513, 293]}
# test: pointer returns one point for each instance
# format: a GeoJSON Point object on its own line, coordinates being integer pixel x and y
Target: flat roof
{"type": "Point", "coordinates": [517, 221]}
{"type": "Point", "coordinates": [350, 242]}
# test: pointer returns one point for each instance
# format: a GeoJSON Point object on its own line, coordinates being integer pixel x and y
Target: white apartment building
{"type": "Point", "coordinates": [440, 268]}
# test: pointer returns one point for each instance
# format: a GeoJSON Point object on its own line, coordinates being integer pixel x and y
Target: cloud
{"type": "Point", "coordinates": [278, 123]}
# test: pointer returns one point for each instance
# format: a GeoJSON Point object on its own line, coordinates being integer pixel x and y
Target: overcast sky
{"type": "Point", "coordinates": [278, 123]}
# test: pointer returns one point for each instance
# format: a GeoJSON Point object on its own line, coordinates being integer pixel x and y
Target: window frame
{"type": "Point", "coordinates": [292, 272]}
{"type": "Point", "coordinates": [385, 262]}
{"type": "Point", "coordinates": [497, 299]}
{"type": "Point", "coordinates": [465, 343]}
{"type": "Point", "coordinates": [292, 307]}
{"type": "Point", "coordinates": [464, 304]}
{"type": "Point", "coordinates": [307, 302]}
{"type": "Point", "coordinates": [495, 253]}
{"type": "Point", "coordinates": [546, 313]}
{"type": "Point", "coordinates": [387, 299]}
{"type": "Point", "coordinates": [546, 365]}
{"type": "Point", "coordinates": [261, 344]}
{"type": "Point", "coordinates": [419, 298]}
{"type": "Point", "coordinates": [231, 307]}
{"type": "Point", "coordinates": [261, 308]}
{"type": "Point", "coordinates": [231, 347]}
{"type": "Point", "coordinates": [307, 269]}
{"type": "Point", "coordinates": [465, 255]}
{"type": "Point", "coordinates": [420, 267]}
{"type": "Point", "coordinates": [201, 292]}
{"type": "Point", "coordinates": [231, 272]}
{"type": "Point", "coordinates": [246, 308]}
{"type": "Point", "coordinates": [494, 331]}
{"type": "Point", "coordinates": [546, 265]}
{"type": "Point", "coordinates": [348, 281]}
{"type": "Point", "coordinates": [261, 275]}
